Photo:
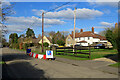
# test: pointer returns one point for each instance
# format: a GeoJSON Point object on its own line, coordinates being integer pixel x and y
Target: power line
{"type": "Point", "coordinates": [59, 7]}
{"type": "Point", "coordinates": [49, 11]}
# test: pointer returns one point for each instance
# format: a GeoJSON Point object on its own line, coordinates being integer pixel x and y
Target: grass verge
{"type": "Point", "coordinates": [95, 53]}
{"type": "Point", "coordinates": [115, 65]}
{"type": "Point", "coordinates": [2, 62]}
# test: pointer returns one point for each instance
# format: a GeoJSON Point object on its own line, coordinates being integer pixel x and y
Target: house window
{"type": "Point", "coordinates": [68, 39]}
{"type": "Point", "coordinates": [88, 38]}
{"type": "Point", "coordinates": [79, 38]}
{"type": "Point", "coordinates": [96, 42]}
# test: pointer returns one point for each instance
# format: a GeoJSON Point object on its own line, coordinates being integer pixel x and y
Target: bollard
{"type": "Point", "coordinates": [44, 56]}
{"type": "Point", "coordinates": [36, 56]}
{"type": "Point", "coordinates": [40, 56]}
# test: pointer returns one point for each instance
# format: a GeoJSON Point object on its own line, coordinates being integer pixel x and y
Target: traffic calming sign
{"type": "Point", "coordinates": [49, 54]}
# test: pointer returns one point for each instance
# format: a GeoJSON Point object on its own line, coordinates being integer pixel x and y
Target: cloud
{"type": "Point", "coordinates": [102, 0]}
{"type": "Point", "coordinates": [106, 24]}
{"type": "Point", "coordinates": [83, 13]}
{"type": "Point", "coordinates": [96, 3]}
{"type": "Point", "coordinates": [96, 32]}
{"type": "Point", "coordinates": [19, 24]}
{"type": "Point", "coordinates": [16, 28]}
{"type": "Point", "coordinates": [5, 4]}
{"type": "Point", "coordinates": [100, 27]}
{"type": "Point", "coordinates": [64, 6]}
{"type": "Point", "coordinates": [77, 29]}
{"type": "Point", "coordinates": [33, 19]}
{"type": "Point", "coordinates": [20, 28]}
{"type": "Point", "coordinates": [106, 11]}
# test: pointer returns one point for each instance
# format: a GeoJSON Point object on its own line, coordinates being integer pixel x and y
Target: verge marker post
{"type": "Point", "coordinates": [89, 52]}
{"type": "Point", "coordinates": [32, 54]}
{"type": "Point", "coordinates": [36, 56]}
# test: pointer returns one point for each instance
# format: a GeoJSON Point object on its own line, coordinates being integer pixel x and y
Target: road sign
{"type": "Point", "coordinates": [49, 54]}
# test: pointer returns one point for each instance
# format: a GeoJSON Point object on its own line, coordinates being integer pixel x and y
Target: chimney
{"type": "Point", "coordinates": [72, 32]}
{"type": "Point", "coordinates": [92, 29]}
{"type": "Point", "coordinates": [116, 26]}
{"type": "Point", "coordinates": [81, 30]}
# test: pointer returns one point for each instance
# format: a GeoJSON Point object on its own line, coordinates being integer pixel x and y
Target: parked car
{"type": "Point", "coordinates": [54, 45]}
{"type": "Point", "coordinates": [78, 45]}
{"type": "Point", "coordinates": [100, 46]}
{"type": "Point", "coordinates": [60, 46]}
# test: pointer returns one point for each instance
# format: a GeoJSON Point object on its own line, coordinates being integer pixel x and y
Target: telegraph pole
{"type": "Point", "coordinates": [74, 31]}
{"type": "Point", "coordinates": [42, 29]}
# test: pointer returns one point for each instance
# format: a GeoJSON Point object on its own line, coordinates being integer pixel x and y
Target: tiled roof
{"type": "Point", "coordinates": [49, 39]}
{"type": "Point", "coordinates": [88, 34]}
{"type": "Point", "coordinates": [40, 37]}
{"type": "Point", "coordinates": [28, 40]}
{"type": "Point", "coordinates": [35, 40]}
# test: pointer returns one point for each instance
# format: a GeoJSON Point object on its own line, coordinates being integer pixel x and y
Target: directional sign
{"type": "Point", "coordinates": [49, 54]}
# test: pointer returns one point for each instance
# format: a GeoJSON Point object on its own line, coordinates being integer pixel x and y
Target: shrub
{"type": "Point", "coordinates": [25, 46]}
{"type": "Point", "coordinates": [17, 45]}
{"type": "Point", "coordinates": [60, 42]}
{"type": "Point", "coordinates": [45, 44]}
{"type": "Point", "coordinates": [38, 45]}
{"type": "Point", "coordinates": [13, 45]}
{"type": "Point", "coordinates": [31, 44]}
{"type": "Point", "coordinates": [10, 46]}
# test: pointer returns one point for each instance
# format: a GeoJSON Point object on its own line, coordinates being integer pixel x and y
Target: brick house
{"type": "Point", "coordinates": [85, 38]}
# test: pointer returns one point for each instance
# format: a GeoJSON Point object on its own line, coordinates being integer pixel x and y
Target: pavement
{"type": "Point", "coordinates": [19, 65]}
{"type": "Point", "coordinates": [102, 65]}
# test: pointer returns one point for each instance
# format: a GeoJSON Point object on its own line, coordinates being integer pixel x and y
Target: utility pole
{"type": "Point", "coordinates": [42, 29]}
{"type": "Point", "coordinates": [74, 31]}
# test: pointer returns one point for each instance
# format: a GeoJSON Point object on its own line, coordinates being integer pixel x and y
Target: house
{"type": "Point", "coordinates": [85, 38]}
{"type": "Point", "coordinates": [23, 41]}
{"type": "Point", "coordinates": [46, 39]}
{"type": "Point", "coordinates": [28, 40]}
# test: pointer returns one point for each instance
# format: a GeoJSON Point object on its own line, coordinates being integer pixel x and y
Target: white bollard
{"type": "Point", "coordinates": [40, 56]}
{"type": "Point", "coordinates": [31, 53]}
{"type": "Point", "coordinates": [34, 55]}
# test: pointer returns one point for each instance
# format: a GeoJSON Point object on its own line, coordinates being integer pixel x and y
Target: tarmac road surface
{"type": "Point", "coordinates": [20, 65]}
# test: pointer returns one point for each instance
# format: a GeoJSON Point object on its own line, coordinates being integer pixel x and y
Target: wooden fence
{"type": "Point", "coordinates": [77, 50]}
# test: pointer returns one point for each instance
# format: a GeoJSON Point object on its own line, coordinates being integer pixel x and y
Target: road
{"type": "Point", "coordinates": [20, 65]}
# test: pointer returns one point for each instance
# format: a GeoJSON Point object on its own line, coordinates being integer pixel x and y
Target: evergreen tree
{"type": "Point", "coordinates": [30, 33]}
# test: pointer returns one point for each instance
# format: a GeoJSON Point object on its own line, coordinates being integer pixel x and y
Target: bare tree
{"type": "Point", "coordinates": [102, 33]}
{"type": "Point", "coordinates": [65, 33]}
{"type": "Point", "coordinates": [5, 10]}
{"type": "Point", "coordinates": [51, 34]}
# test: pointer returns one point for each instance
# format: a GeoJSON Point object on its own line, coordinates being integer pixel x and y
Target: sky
{"type": "Point", "coordinates": [88, 14]}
